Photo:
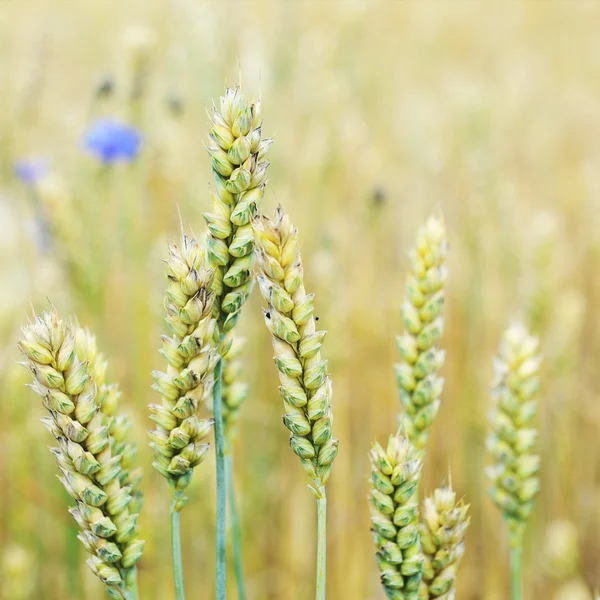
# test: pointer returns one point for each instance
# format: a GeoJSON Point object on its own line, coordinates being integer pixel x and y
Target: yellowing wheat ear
{"type": "Point", "coordinates": [395, 473]}
{"type": "Point", "coordinates": [444, 523]}
{"type": "Point", "coordinates": [90, 471]}
{"type": "Point", "coordinates": [417, 374]}
{"type": "Point", "coordinates": [514, 472]}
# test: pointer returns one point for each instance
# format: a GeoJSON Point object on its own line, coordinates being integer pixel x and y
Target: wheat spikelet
{"type": "Point", "coordinates": [305, 383]}
{"type": "Point", "coordinates": [191, 357]}
{"type": "Point", "coordinates": [394, 517]}
{"type": "Point", "coordinates": [234, 391]}
{"type": "Point", "coordinates": [417, 374]}
{"type": "Point", "coordinates": [119, 424]}
{"type": "Point", "coordinates": [90, 471]}
{"type": "Point", "coordinates": [443, 527]}
{"type": "Point", "coordinates": [511, 440]}
{"type": "Point", "coordinates": [237, 151]}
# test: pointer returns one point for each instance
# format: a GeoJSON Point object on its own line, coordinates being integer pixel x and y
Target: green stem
{"type": "Point", "coordinates": [176, 549]}
{"type": "Point", "coordinates": [515, 572]}
{"type": "Point", "coordinates": [221, 486]}
{"type": "Point", "coordinates": [132, 584]}
{"type": "Point", "coordinates": [321, 548]}
{"type": "Point", "coordinates": [236, 537]}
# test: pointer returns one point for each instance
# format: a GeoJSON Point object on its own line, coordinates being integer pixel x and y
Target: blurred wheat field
{"type": "Point", "coordinates": [382, 112]}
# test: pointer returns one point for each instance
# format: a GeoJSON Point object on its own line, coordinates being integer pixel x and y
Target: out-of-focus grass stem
{"type": "Point", "coordinates": [515, 572]}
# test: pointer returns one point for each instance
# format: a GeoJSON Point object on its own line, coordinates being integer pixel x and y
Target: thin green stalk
{"type": "Point", "coordinates": [321, 548]}
{"type": "Point", "coordinates": [236, 537]}
{"type": "Point", "coordinates": [176, 549]}
{"type": "Point", "coordinates": [515, 572]}
{"type": "Point", "coordinates": [221, 486]}
{"type": "Point", "coordinates": [132, 584]}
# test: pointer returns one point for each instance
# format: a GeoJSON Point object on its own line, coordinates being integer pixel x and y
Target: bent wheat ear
{"type": "Point", "coordinates": [179, 438]}
{"type": "Point", "coordinates": [237, 150]}
{"type": "Point", "coordinates": [444, 523]}
{"type": "Point", "coordinates": [514, 472]}
{"type": "Point", "coordinates": [90, 471]}
{"type": "Point", "coordinates": [395, 516]}
{"type": "Point", "coordinates": [305, 383]}
{"type": "Point", "coordinates": [417, 374]}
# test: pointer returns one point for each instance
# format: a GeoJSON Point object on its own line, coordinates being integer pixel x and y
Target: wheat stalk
{"type": "Point", "coordinates": [90, 472]}
{"type": "Point", "coordinates": [237, 150]}
{"type": "Point", "coordinates": [191, 355]}
{"type": "Point", "coordinates": [305, 383]}
{"type": "Point", "coordinates": [394, 516]}
{"type": "Point", "coordinates": [443, 526]}
{"type": "Point", "coordinates": [511, 440]}
{"type": "Point", "coordinates": [419, 384]}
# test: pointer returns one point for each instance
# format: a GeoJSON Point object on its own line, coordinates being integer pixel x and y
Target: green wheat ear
{"type": "Point", "coordinates": [191, 355]}
{"type": "Point", "coordinates": [395, 473]}
{"type": "Point", "coordinates": [422, 314]}
{"type": "Point", "coordinates": [65, 373]}
{"type": "Point", "coordinates": [238, 154]}
{"type": "Point", "coordinates": [444, 523]}
{"type": "Point", "coordinates": [515, 467]}
{"type": "Point", "coordinates": [305, 383]}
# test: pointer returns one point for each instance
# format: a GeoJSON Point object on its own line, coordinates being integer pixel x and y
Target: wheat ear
{"type": "Point", "coordinates": [515, 468]}
{"type": "Point", "coordinates": [417, 374]}
{"type": "Point", "coordinates": [237, 150]}
{"type": "Point", "coordinates": [394, 516]}
{"type": "Point", "coordinates": [191, 355]}
{"type": "Point", "coordinates": [443, 526]}
{"type": "Point", "coordinates": [90, 472]}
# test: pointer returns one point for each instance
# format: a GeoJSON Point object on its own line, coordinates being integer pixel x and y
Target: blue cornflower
{"type": "Point", "coordinates": [111, 141]}
{"type": "Point", "coordinates": [30, 171]}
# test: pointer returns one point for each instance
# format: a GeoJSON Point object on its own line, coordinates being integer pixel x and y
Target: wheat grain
{"type": "Point", "coordinates": [191, 355]}
{"type": "Point", "coordinates": [417, 374]}
{"type": "Point", "coordinates": [443, 526]}
{"type": "Point", "coordinates": [394, 516]}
